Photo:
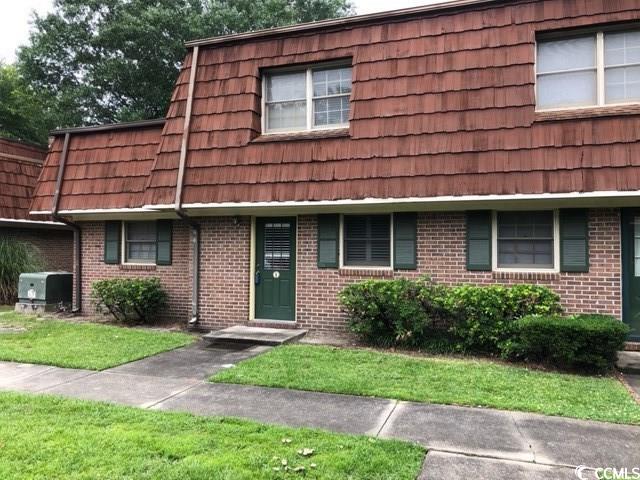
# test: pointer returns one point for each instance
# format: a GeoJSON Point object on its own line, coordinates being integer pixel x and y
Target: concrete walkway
{"type": "Point", "coordinates": [462, 442]}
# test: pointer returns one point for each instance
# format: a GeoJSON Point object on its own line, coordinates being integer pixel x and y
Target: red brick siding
{"type": "Point", "coordinates": [55, 246]}
{"type": "Point", "coordinates": [225, 271]}
{"type": "Point", "coordinates": [441, 255]}
{"type": "Point", "coordinates": [175, 277]}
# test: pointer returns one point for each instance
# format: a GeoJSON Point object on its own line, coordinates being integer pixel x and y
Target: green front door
{"type": "Point", "coordinates": [275, 277]}
{"type": "Point", "coordinates": [631, 270]}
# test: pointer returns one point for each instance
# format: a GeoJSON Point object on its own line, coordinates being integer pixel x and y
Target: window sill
{"type": "Point", "coordinates": [137, 267]}
{"type": "Point", "coordinates": [306, 135]}
{"type": "Point", "coordinates": [589, 112]}
{"type": "Point", "coordinates": [365, 272]}
{"type": "Point", "coordinates": [530, 275]}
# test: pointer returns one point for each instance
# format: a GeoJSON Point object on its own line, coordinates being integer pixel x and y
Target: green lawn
{"type": "Point", "coordinates": [53, 438]}
{"type": "Point", "coordinates": [80, 345]}
{"type": "Point", "coordinates": [437, 380]}
{"type": "Point", "coordinates": [6, 308]}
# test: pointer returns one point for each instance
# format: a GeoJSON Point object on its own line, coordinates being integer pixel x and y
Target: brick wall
{"type": "Point", "coordinates": [441, 255]}
{"type": "Point", "coordinates": [225, 269]}
{"type": "Point", "coordinates": [55, 246]}
{"type": "Point", "coordinates": [176, 278]}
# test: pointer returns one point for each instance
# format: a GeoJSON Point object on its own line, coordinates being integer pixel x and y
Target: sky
{"type": "Point", "coordinates": [14, 21]}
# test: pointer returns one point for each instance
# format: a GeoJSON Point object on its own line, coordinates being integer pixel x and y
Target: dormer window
{"type": "Point", "coordinates": [313, 98]}
{"type": "Point", "coordinates": [591, 70]}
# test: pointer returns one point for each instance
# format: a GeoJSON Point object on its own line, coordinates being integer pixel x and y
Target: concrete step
{"type": "Point", "coordinates": [255, 335]}
{"type": "Point", "coordinates": [629, 362]}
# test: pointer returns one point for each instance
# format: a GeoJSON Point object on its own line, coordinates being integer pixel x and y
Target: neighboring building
{"type": "Point", "coordinates": [478, 141]}
{"type": "Point", "coordinates": [20, 165]}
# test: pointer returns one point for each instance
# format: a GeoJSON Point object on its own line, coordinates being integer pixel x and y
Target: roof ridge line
{"type": "Point", "coordinates": [338, 22]}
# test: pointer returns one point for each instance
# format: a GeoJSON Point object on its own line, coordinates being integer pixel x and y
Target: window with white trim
{"type": "Point", "coordinates": [525, 240]}
{"type": "Point", "coordinates": [622, 67]}
{"type": "Point", "coordinates": [309, 99]}
{"type": "Point", "coordinates": [596, 69]}
{"type": "Point", "coordinates": [367, 240]}
{"type": "Point", "coordinates": [140, 242]}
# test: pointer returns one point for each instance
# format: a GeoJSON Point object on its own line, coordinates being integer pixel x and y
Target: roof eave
{"type": "Point", "coordinates": [110, 127]}
{"type": "Point", "coordinates": [24, 223]}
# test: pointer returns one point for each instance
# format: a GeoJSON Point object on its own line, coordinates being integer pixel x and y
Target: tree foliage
{"type": "Point", "coordinates": [98, 61]}
{"type": "Point", "coordinates": [22, 115]}
{"type": "Point", "coordinates": [15, 258]}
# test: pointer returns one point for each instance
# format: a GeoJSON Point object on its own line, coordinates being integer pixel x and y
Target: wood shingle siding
{"type": "Point", "coordinates": [104, 169]}
{"type": "Point", "coordinates": [20, 165]}
{"type": "Point", "coordinates": [442, 104]}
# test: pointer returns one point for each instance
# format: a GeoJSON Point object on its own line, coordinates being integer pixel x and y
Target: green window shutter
{"type": "Point", "coordinates": [574, 240]}
{"type": "Point", "coordinates": [328, 240]}
{"type": "Point", "coordinates": [163, 242]}
{"type": "Point", "coordinates": [479, 240]}
{"type": "Point", "coordinates": [404, 240]}
{"type": "Point", "coordinates": [112, 242]}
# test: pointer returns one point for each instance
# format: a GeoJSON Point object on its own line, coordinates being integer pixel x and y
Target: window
{"type": "Point", "coordinates": [140, 242]}
{"type": "Point", "coordinates": [367, 240]}
{"type": "Point", "coordinates": [277, 246]}
{"type": "Point", "coordinates": [622, 67]}
{"type": "Point", "coordinates": [542, 241]}
{"type": "Point", "coordinates": [308, 99]}
{"type": "Point", "coordinates": [567, 72]}
{"type": "Point", "coordinates": [525, 240]}
{"type": "Point", "coordinates": [597, 69]}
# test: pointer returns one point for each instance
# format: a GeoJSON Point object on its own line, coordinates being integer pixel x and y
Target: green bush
{"type": "Point", "coordinates": [129, 299]}
{"type": "Point", "coordinates": [520, 321]}
{"type": "Point", "coordinates": [16, 258]}
{"type": "Point", "coordinates": [483, 316]}
{"type": "Point", "coordinates": [585, 342]}
{"type": "Point", "coordinates": [391, 312]}
{"type": "Point", "coordinates": [407, 312]}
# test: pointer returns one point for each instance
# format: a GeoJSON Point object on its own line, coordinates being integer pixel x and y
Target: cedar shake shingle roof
{"type": "Point", "coordinates": [443, 104]}
{"type": "Point", "coordinates": [105, 168]}
{"type": "Point", "coordinates": [20, 165]}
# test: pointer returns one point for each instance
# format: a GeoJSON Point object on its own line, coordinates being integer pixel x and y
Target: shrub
{"type": "Point", "coordinates": [388, 312]}
{"type": "Point", "coordinates": [483, 316]}
{"type": "Point", "coordinates": [16, 258]}
{"type": "Point", "coordinates": [129, 299]}
{"type": "Point", "coordinates": [586, 342]}
{"type": "Point", "coordinates": [480, 318]}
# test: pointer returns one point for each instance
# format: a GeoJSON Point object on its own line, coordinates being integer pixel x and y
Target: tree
{"type": "Point", "coordinates": [99, 61]}
{"type": "Point", "coordinates": [22, 115]}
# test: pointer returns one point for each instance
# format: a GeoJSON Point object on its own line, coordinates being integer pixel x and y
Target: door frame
{"type": "Point", "coordinates": [252, 271]}
{"type": "Point", "coordinates": [626, 253]}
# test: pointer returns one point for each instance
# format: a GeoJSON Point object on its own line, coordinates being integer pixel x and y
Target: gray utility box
{"type": "Point", "coordinates": [44, 291]}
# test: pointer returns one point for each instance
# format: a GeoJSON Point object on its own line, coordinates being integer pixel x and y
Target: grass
{"type": "Point", "coordinates": [6, 308]}
{"type": "Point", "coordinates": [80, 345]}
{"type": "Point", "coordinates": [437, 380]}
{"type": "Point", "coordinates": [50, 437]}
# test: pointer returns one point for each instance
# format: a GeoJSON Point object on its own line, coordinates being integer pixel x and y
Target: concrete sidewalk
{"type": "Point", "coordinates": [463, 442]}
